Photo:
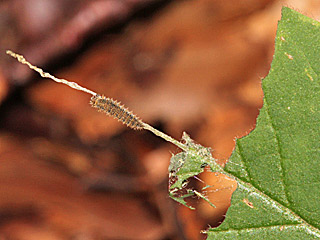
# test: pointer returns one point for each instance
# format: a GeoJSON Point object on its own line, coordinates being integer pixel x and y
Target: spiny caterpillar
{"type": "Point", "coordinates": [114, 109]}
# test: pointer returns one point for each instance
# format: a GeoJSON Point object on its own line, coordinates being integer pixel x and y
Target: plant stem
{"type": "Point", "coordinates": [76, 86]}
{"type": "Point", "coordinates": [165, 136]}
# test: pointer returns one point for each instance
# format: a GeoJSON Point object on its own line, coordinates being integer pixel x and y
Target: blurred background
{"type": "Point", "coordinates": [69, 172]}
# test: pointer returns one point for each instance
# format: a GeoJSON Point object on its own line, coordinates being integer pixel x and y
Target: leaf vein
{"type": "Point", "coordinates": [266, 105]}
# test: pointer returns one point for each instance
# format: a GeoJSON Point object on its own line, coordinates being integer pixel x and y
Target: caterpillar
{"type": "Point", "coordinates": [116, 110]}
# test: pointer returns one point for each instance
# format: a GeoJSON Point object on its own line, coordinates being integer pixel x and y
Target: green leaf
{"type": "Point", "coordinates": [185, 165]}
{"type": "Point", "coordinates": [277, 165]}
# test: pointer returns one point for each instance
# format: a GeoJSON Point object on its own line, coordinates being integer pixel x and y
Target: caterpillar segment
{"type": "Point", "coordinates": [116, 110]}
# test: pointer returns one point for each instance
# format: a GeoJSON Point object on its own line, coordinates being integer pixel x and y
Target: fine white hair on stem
{"type": "Point", "coordinates": [43, 74]}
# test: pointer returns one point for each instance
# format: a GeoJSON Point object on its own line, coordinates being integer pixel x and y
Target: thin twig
{"type": "Point", "coordinates": [76, 86]}
{"type": "Point", "coordinates": [164, 136]}
{"type": "Point", "coordinates": [43, 74]}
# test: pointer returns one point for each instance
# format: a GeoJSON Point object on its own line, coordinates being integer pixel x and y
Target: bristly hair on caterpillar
{"type": "Point", "coordinates": [116, 110]}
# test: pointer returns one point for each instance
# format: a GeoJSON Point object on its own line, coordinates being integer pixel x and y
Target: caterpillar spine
{"type": "Point", "coordinates": [116, 110]}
